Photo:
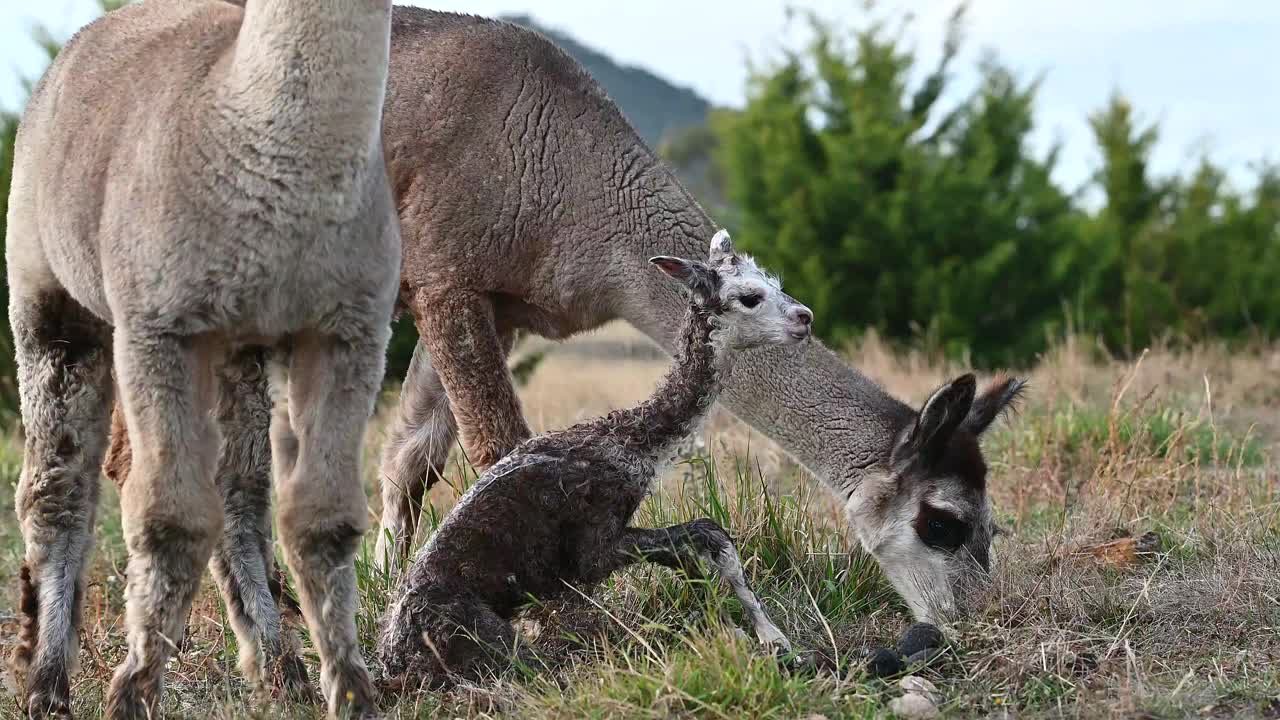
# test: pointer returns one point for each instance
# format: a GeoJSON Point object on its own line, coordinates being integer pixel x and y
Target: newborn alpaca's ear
{"type": "Point", "coordinates": [678, 268]}
{"type": "Point", "coordinates": [700, 279]}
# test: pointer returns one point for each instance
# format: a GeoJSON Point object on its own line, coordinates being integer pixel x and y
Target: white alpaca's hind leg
{"type": "Point", "coordinates": [64, 378]}
{"type": "Point", "coordinates": [243, 563]}
{"type": "Point", "coordinates": [332, 386]}
{"type": "Point", "coordinates": [171, 508]}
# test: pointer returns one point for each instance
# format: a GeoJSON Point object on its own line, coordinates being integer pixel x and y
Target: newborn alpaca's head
{"type": "Point", "coordinates": [746, 304]}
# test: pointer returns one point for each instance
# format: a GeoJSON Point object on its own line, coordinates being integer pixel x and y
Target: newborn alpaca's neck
{"type": "Point", "coordinates": [683, 397]}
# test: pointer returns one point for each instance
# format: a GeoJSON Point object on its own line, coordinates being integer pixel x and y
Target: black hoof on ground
{"type": "Point", "coordinates": [920, 637]}
{"type": "Point", "coordinates": [883, 663]}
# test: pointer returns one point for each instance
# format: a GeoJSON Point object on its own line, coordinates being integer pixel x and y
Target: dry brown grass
{"type": "Point", "coordinates": [1178, 443]}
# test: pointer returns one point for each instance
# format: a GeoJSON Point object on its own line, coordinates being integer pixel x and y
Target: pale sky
{"type": "Point", "coordinates": [1207, 70]}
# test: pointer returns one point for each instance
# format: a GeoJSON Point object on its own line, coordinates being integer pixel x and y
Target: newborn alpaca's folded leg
{"type": "Point", "coordinates": [683, 546]}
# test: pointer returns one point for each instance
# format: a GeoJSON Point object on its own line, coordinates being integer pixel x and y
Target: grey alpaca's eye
{"type": "Point", "coordinates": [940, 529]}
{"type": "Point", "coordinates": [749, 301]}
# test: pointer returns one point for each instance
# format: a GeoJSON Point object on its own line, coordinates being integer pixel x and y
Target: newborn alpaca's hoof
{"type": "Point", "coordinates": [772, 639]}
{"type": "Point", "coordinates": [807, 663]}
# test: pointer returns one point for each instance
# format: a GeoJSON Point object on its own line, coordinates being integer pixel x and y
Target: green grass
{"type": "Point", "coordinates": [10, 534]}
{"type": "Point", "coordinates": [705, 674]}
{"type": "Point", "coordinates": [1072, 432]}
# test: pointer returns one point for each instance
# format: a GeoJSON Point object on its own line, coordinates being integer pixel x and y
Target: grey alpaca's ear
{"type": "Point", "coordinates": [1001, 396]}
{"type": "Point", "coordinates": [941, 415]}
{"type": "Point", "coordinates": [700, 279]}
{"type": "Point", "coordinates": [721, 248]}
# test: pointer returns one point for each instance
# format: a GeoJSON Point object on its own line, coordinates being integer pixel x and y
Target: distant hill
{"type": "Point", "coordinates": [657, 108]}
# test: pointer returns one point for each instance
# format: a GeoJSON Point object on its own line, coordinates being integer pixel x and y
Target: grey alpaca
{"type": "Point", "coordinates": [219, 183]}
{"type": "Point", "coordinates": [564, 205]}
{"type": "Point", "coordinates": [555, 511]}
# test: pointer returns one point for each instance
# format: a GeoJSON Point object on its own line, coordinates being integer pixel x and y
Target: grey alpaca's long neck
{"type": "Point", "coordinates": [828, 416]}
{"type": "Point", "coordinates": [684, 396]}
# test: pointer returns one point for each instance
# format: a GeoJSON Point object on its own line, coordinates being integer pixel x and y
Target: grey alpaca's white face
{"type": "Point", "coordinates": [931, 539]}
{"type": "Point", "coordinates": [748, 304]}
{"type": "Point", "coordinates": [926, 515]}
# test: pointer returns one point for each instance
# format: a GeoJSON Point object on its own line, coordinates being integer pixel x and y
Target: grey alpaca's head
{"type": "Point", "coordinates": [747, 304]}
{"type": "Point", "coordinates": [927, 518]}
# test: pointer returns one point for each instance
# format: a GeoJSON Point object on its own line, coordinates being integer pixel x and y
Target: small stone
{"type": "Point", "coordinates": [914, 707]}
{"type": "Point", "coordinates": [921, 636]}
{"type": "Point", "coordinates": [884, 662]}
{"type": "Point", "coordinates": [918, 685]}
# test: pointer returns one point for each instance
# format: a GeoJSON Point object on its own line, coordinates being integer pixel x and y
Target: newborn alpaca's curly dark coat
{"type": "Point", "coordinates": [556, 511]}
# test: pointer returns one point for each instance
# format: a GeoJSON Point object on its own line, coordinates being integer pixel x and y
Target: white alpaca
{"type": "Point", "coordinates": [219, 182]}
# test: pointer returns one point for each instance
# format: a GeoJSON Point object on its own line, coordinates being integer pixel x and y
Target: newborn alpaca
{"type": "Point", "coordinates": [555, 511]}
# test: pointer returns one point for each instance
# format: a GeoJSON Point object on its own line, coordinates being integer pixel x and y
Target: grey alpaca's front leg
{"type": "Point", "coordinates": [243, 563]}
{"type": "Point", "coordinates": [683, 547]}
{"type": "Point", "coordinates": [172, 512]}
{"type": "Point", "coordinates": [469, 353]}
